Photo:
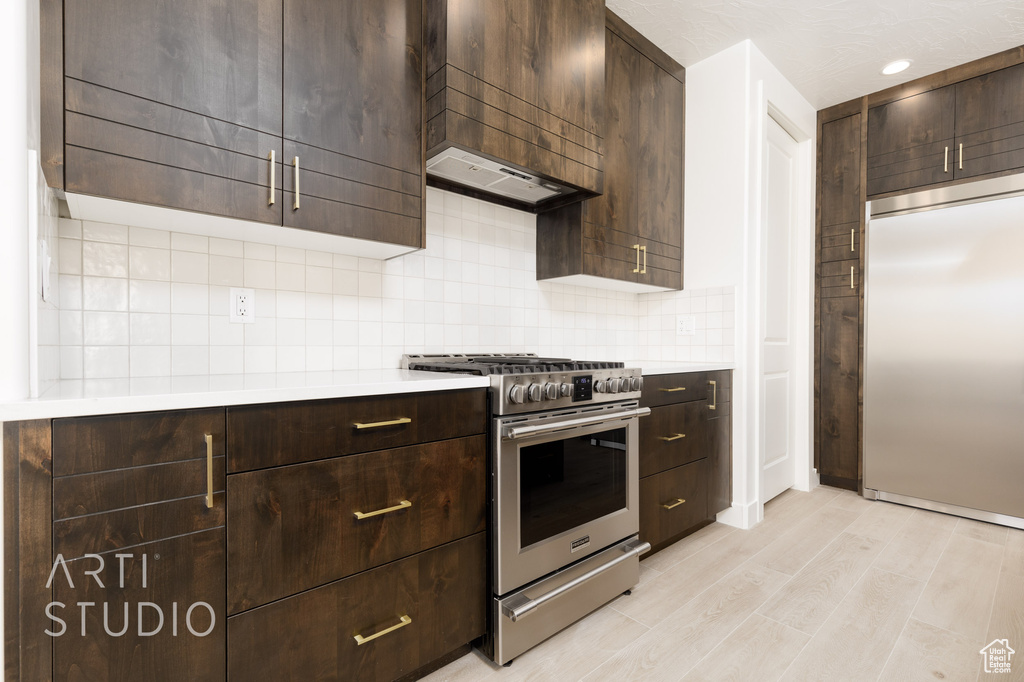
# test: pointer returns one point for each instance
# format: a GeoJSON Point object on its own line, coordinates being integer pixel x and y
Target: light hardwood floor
{"type": "Point", "coordinates": [829, 586]}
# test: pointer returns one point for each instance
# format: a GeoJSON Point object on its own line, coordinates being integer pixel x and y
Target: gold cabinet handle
{"type": "Point", "coordinates": [644, 249]}
{"type": "Point", "coordinates": [671, 438]}
{"type": "Point", "coordinates": [852, 232]}
{"type": "Point", "coordinates": [377, 425]}
{"type": "Point", "coordinates": [675, 504]}
{"type": "Point", "coordinates": [637, 268]}
{"type": "Point", "coordinates": [270, 158]}
{"type": "Point", "coordinates": [404, 504]}
{"type": "Point", "coordinates": [945, 161]}
{"type": "Point", "coordinates": [209, 470]}
{"type": "Point", "coordinates": [851, 278]}
{"type": "Point", "coordinates": [673, 390]}
{"type": "Point", "coordinates": [402, 622]}
{"type": "Point", "coordinates": [961, 156]}
{"type": "Point", "coordinates": [714, 395]}
{"type": "Point", "coordinates": [295, 164]}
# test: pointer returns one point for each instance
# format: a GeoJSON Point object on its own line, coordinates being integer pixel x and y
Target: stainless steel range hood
{"type": "Point", "coordinates": [470, 170]}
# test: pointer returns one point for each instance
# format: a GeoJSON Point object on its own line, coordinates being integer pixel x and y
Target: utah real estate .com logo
{"type": "Point", "coordinates": [997, 656]}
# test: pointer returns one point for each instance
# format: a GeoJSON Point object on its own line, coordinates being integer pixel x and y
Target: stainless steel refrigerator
{"type": "Point", "coordinates": [944, 350]}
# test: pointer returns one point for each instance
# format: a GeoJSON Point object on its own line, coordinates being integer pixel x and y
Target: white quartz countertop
{"type": "Point", "coordinates": [114, 396]}
{"type": "Point", "coordinates": [648, 367]}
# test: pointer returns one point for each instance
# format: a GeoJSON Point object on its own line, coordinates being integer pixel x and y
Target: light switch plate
{"type": "Point", "coordinates": [686, 325]}
{"type": "Point", "coordinates": [241, 306]}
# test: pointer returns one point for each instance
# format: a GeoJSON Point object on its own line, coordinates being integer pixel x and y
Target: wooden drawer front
{"type": "Point", "coordinates": [294, 528]}
{"type": "Point", "coordinates": [840, 279]}
{"type": "Point", "coordinates": [689, 483]}
{"type": "Point", "coordinates": [311, 636]}
{"type": "Point", "coordinates": [182, 571]}
{"type": "Point", "coordinates": [665, 389]}
{"type": "Point", "coordinates": [672, 435]}
{"type": "Point", "coordinates": [270, 435]}
{"type": "Point", "coordinates": [90, 444]}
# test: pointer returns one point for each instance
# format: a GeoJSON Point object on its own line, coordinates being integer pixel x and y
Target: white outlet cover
{"type": "Point", "coordinates": [238, 312]}
{"type": "Point", "coordinates": [686, 325]}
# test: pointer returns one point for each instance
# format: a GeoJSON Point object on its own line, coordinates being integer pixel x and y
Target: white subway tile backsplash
{"type": "Point", "coordinates": [66, 227]}
{"type": "Point", "coordinates": [473, 288]}
{"type": "Point", "coordinates": [105, 362]}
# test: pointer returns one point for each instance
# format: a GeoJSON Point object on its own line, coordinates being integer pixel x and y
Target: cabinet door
{"type": "Point", "coordinates": [175, 104]}
{"type": "Point", "coordinates": [353, 115]}
{"type": "Point", "coordinates": [673, 502]}
{"type": "Point", "coordinates": [130, 498]}
{"type": "Point", "coordinates": [377, 626]}
{"type": "Point", "coordinates": [673, 435]}
{"type": "Point", "coordinates": [719, 449]}
{"type": "Point", "coordinates": [838, 419]}
{"type": "Point", "coordinates": [990, 123]}
{"type": "Point", "coordinates": [910, 142]}
{"type": "Point", "coordinates": [659, 170]}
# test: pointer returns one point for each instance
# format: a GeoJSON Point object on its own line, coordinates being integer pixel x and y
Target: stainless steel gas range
{"type": "Point", "coordinates": [564, 489]}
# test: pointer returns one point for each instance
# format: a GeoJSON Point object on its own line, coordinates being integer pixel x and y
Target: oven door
{"type": "Point", "coordinates": [566, 486]}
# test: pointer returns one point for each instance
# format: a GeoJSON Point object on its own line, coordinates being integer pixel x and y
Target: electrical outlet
{"type": "Point", "coordinates": [686, 325]}
{"type": "Point", "coordinates": [242, 306]}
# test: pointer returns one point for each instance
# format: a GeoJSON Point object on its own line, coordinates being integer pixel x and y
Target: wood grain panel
{"type": "Point", "coordinates": [664, 389]}
{"type": "Point", "coordinates": [311, 635]}
{"type": "Point", "coordinates": [990, 122]}
{"type": "Point", "coordinates": [839, 394]}
{"type": "Point", "coordinates": [671, 421]}
{"type": "Point", "coordinates": [113, 530]}
{"type": "Point", "coordinates": [90, 444]}
{"type": "Point", "coordinates": [217, 58]}
{"type": "Point", "coordinates": [51, 91]}
{"type": "Point", "coordinates": [294, 528]}
{"type": "Point", "coordinates": [719, 428]}
{"type": "Point", "coordinates": [105, 491]}
{"type": "Point", "coordinates": [27, 472]}
{"type": "Point", "coordinates": [840, 172]}
{"type": "Point", "coordinates": [263, 436]}
{"type": "Point", "coordinates": [659, 525]}
{"type": "Point", "coordinates": [349, 220]}
{"type": "Point", "coordinates": [659, 185]}
{"type": "Point", "coordinates": [626, 240]}
{"type": "Point", "coordinates": [178, 573]}
{"type": "Point", "coordinates": [350, 168]}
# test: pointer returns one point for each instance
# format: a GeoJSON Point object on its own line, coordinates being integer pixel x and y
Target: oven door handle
{"type": "Point", "coordinates": [514, 432]}
{"type": "Point", "coordinates": [526, 605]}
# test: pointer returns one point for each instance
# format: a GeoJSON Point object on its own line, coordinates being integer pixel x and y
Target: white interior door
{"type": "Point", "coordinates": [778, 386]}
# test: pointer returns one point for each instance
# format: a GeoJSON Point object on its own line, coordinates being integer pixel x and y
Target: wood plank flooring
{"type": "Point", "coordinates": [828, 587]}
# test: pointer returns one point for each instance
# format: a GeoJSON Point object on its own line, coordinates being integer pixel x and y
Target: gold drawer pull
{"type": "Point", "coordinates": [671, 438]}
{"type": "Point", "coordinates": [673, 390]}
{"type": "Point", "coordinates": [714, 395]}
{"type": "Point", "coordinates": [295, 203]}
{"type": "Point", "coordinates": [644, 271]}
{"type": "Point", "coordinates": [637, 268]}
{"type": "Point", "coordinates": [401, 505]}
{"type": "Point", "coordinates": [675, 504]}
{"type": "Point", "coordinates": [270, 202]}
{"type": "Point", "coordinates": [209, 470]}
{"type": "Point", "coordinates": [403, 621]}
{"type": "Point", "coordinates": [377, 425]}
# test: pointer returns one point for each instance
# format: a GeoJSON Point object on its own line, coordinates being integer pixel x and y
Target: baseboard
{"type": "Point", "coordinates": [740, 515]}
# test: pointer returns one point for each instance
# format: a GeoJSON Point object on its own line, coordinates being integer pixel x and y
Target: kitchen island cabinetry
{"type": "Point", "coordinates": [633, 232]}
{"type": "Point", "coordinates": [685, 453]}
{"type": "Point", "coordinates": [301, 114]}
{"type": "Point", "coordinates": [363, 558]}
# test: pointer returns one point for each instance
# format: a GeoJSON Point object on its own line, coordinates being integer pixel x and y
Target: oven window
{"type": "Point", "coordinates": [566, 483]}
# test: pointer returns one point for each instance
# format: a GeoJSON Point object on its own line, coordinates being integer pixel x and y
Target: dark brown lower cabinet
{"type": "Point", "coordinates": [839, 392]}
{"type": "Point", "coordinates": [378, 625]}
{"type": "Point", "coordinates": [685, 454]}
{"type": "Point", "coordinates": [159, 614]}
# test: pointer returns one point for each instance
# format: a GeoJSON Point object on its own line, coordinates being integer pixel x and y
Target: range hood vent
{"type": "Point", "coordinates": [463, 168]}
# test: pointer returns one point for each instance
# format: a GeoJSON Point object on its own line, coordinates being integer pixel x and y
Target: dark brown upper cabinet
{"type": "Point", "coordinates": [990, 123]}
{"type": "Point", "coordinates": [286, 112]}
{"type": "Point", "coordinates": [353, 116]}
{"type": "Point", "coordinates": [515, 99]}
{"type": "Point", "coordinates": [910, 142]}
{"type": "Point", "coordinates": [969, 129]}
{"type": "Point", "coordinates": [633, 233]}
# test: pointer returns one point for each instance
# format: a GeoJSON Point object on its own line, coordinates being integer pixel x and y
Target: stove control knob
{"type": "Point", "coordinates": [637, 383]}
{"type": "Point", "coordinates": [517, 395]}
{"type": "Point", "coordinates": [601, 386]}
{"type": "Point", "coordinates": [625, 384]}
{"type": "Point", "coordinates": [566, 390]}
{"type": "Point", "coordinates": [614, 385]}
{"type": "Point", "coordinates": [535, 393]}
{"type": "Point", "coordinates": [550, 391]}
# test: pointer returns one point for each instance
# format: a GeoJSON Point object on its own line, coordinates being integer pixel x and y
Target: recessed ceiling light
{"type": "Point", "coordinates": [895, 67]}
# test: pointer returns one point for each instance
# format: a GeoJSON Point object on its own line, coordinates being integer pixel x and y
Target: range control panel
{"type": "Point", "coordinates": [519, 393]}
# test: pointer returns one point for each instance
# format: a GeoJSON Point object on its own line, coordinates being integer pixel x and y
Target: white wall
{"type": "Point", "coordinates": [729, 97]}
{"type": "Point", "coordinates": [137, 302]}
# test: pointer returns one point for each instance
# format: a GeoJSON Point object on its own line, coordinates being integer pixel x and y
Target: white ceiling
{"type": "Point", "coordinates": [833, 50]}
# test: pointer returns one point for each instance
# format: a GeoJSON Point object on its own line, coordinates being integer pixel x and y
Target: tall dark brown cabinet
{"type": "Point", "coordinates": [633, 232]}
